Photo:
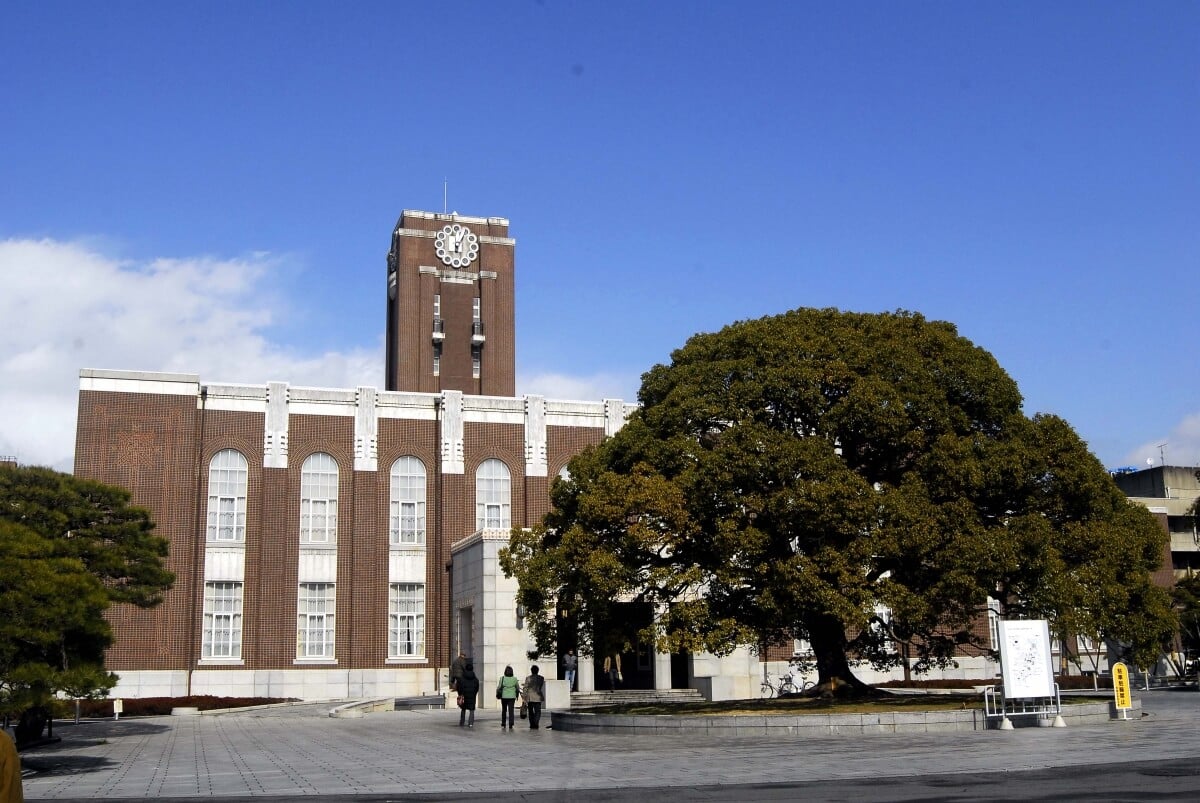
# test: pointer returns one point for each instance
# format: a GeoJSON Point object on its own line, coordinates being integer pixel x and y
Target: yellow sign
{"type": "Point", "coordinates": [1121, 686]}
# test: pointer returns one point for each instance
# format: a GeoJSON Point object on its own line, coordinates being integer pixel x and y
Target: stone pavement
{"type": "Point", "coordinates": [300, 752]}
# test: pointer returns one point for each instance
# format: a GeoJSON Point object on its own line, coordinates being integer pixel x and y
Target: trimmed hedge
{"type": "Point", "coordinates": [158, 706]}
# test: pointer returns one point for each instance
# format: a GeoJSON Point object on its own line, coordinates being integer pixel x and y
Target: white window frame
{"type": "Point", "coordinates": [406, 620]}
{"type": "Point", "coordinates": [227, 479]}
{"type": "Point", "coordinates": [319, 500]}
{"type": "Point", "coordinates": [476, 310]}
{"type": "Point", "coordinates": [406, 510]}
{"type": "Point", "coordinates": [222, 637]}
{"type": "Point", "coordinates": [493, 496]}
{"type": "Point", "coordinates": [315, 620]}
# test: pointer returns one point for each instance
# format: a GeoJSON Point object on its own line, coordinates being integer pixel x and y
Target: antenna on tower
{"type": "Point", "coordinates": [1162, 457]}
{"type": "Point", "coordinates": [445, 196]}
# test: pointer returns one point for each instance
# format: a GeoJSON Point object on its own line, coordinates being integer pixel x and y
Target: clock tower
{"type": "Point", "coordinates": [450, 305]}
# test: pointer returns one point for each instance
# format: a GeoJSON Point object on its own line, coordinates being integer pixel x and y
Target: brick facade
{"type": "Point", "coordinates": [158, 435]}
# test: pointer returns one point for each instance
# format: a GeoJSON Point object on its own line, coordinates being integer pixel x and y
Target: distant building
{"type": "Point", "coordinates": [1169, 492]}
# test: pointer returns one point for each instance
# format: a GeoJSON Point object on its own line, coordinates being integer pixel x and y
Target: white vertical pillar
{"type": "Point", "coordinates": [662, 670]}
{"type": "Point", "coordinates": [585, 676]}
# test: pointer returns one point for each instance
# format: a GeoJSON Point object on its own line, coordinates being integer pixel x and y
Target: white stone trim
{"type": "Point", "coordinates": [535, 436]}
{"type": "Point", "coordinates": [150, 382]}
{"type": "Point", "coordinates": [317, 566]}
{"type": "Point", "coordinates": [236, 398]}
{"type": "Point", "coordinates": [406, 406]}
{"type": "Point", "coordinates": [366, 431]}
{"type": "Point", "coordinates": [406, 566]}
{"type": "Point", "coordinates": [494, 410]}
{"type": "Point", "coordinates": [275, 431]}
{"type": "Point", "coordinates": [224, 564]}
{"type": "Point", "coordinates": [452, 433]}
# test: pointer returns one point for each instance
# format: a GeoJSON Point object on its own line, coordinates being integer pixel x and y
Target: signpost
{"type": "Point", "coordinates": [1124, 700]}
{"type": "Point", "coordinates": [1028, 671]}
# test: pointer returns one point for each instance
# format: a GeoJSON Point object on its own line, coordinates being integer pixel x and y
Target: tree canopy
{"type": "Point", "coordinates": [862, 481]}
{"type": "Point", "coordinates": [69, 548]}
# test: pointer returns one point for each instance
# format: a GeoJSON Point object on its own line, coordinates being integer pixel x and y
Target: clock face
{"type": "Point", "coordinates": [456, 245]}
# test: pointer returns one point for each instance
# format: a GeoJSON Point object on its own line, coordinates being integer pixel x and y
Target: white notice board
{"type": "Point", "coordinates": [1025, 658]}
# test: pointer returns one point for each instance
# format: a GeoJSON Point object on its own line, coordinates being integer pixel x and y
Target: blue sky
{"type": "Point", "coordinates": [211, 187]}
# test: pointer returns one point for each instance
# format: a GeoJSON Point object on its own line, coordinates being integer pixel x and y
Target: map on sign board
{"type": "Point", "coordinates": [1025, 658]}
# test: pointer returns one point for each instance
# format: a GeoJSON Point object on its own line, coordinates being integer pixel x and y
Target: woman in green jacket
{"type": "Point", "coordinates": [506, 692]}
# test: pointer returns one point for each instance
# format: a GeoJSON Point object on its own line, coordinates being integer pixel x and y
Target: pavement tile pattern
{"type": "Point", "coordinates": [299, 751]}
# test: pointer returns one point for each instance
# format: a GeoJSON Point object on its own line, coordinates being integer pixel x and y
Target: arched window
{"type": "Point", "coordinates": [318, 500]}
{"type": "Point", "coordinates": [493, 496]}
{"type": "Point", "coordinates": [407, 519]}
{"type": "Point", "coordinates": [227, 497]}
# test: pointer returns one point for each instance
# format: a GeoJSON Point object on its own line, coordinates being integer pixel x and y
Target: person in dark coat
{"type": "Point", "coordinates": [534, 692]}
{"type": "Point", "coordinates": [468, 689]}
{"type": "Point", "coordinates": [456, 669]}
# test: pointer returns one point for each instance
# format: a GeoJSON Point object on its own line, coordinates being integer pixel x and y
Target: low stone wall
{"type": "Point", "coordinates": [818, 724]}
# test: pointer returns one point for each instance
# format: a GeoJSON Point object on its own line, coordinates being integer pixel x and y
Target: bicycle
{"type": "Point", "coordinates": [784, 685]}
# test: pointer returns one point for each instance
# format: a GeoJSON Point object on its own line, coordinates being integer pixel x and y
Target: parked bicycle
{"type": "Point", "coordinates": [783, 685]}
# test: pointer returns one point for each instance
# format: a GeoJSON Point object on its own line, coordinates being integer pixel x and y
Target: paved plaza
{"type": "Point", "coordinates": [300, 752]}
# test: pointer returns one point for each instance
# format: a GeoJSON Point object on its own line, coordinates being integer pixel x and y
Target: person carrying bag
{"type": "Point", "coordinates": [506, 692]}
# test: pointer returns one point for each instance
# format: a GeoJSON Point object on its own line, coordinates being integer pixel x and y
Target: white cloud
{"type": "Point", "coordinates": [67, 306]}
{"type": "Point", "coordinates": [584, 388]}
{"type": "Point", "coordinates": [1180, 447]}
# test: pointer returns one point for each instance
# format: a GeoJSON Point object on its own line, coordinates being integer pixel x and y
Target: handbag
{"type": "Point", "coordinates": [522, 709]}
{"type": "Point", "coordinates": [499, 696]}
{"type": "Point", "coordinates": [461, 701]}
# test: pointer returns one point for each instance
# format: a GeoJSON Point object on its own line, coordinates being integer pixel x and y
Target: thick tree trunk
{"type": "Point", "coordinates": [827, 636]}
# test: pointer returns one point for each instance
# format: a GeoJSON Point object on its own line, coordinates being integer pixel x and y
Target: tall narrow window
{"type": "Point", "coordinates": [493, 496]}
{"type": "Point", "coordinates": [437, 305]}
{"type": "Point", "coordinates": [314, 621]}
{"type": "Point", "coordinates": [222, 620]}
{"type": "Point", "coordinates": [406, 623]}
{"type": "Point", "coordinates": [475, 310]}
{"type": "Point", "coordinates": [437, 359]}
{"type": "Point", "coordinates": [475, 362]}
{"type": "Point", "coordinates": [407, 525]}
{"type": "Point", "coordinates": [227, 496]}
{"type": "Point", "coordinates": [318, 500]}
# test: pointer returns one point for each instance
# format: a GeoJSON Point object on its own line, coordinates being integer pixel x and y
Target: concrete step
{"type": "Point", "coordinates": [599, 699]}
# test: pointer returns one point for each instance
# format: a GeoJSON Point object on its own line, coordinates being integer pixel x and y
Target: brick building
{"type": "Point", "coordinates": [333, 543]}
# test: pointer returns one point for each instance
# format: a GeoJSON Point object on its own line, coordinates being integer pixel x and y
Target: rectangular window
{"type": "Point", "coordinates": [314, 621]}
{"type": "Point", "coordinates": [475, 310]}
{"type": "Point", "coordinates": [437, 359]}
{"type": "Point", "coordinates": [222, 620]}
{"type": "Point", "coordinates": [437, 305]}
{"type": "Point", "coordinates": [406, 621]}
{"type": "Point", "coordinates": [475, 362]}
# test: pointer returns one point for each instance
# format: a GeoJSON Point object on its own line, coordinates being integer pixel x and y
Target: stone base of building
{"type": "Point", "coordinates": [299, 684]}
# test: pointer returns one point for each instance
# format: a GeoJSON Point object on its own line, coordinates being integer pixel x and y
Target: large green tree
{"type": "Point", "coordinates": [797, 475]}
{"type": "Point", "coordinates": [69, 548]}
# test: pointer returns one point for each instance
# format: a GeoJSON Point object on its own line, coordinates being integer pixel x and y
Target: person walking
{"type": "Point", "coordinates": [570, 664]}
{"type": "Point", "coordinates": [534, 692]}
{"type": "Point", "coordinates": [10, 771]}
{"type": "Point", "coordinates": [506, 692]}
{"type": "Point", "coordinates": [456, 669]}
{"type": "Point", "coordinates": [612, 670]}
{"type": "Point", "coordinates": [468, 693]}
